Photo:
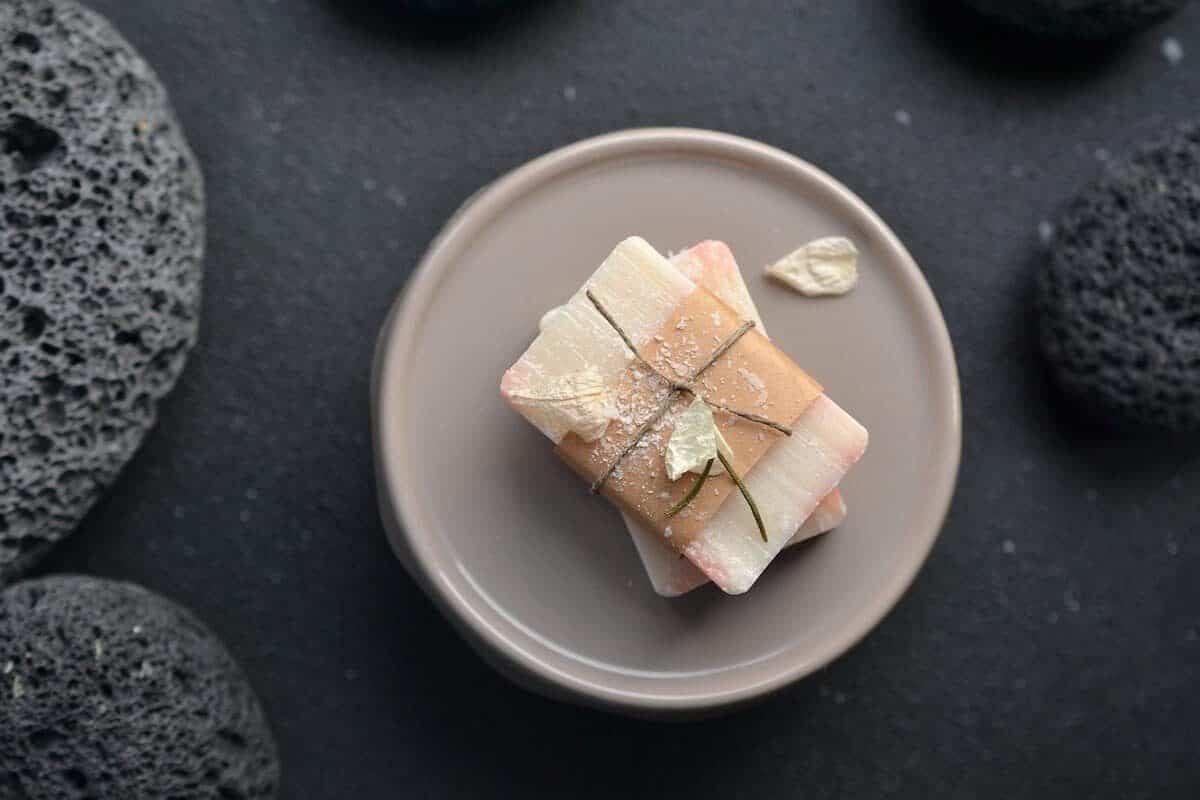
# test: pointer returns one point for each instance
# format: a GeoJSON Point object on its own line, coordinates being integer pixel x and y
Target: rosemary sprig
{"type": "Point", "coordinates": [762, 529]}
{"type": "Point", "coordinates": [695, 490]}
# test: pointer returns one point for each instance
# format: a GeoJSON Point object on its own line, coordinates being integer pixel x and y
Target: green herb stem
{"type": "Point", "coordinates": [762, 529]}
{"type": "Point", "coordinates": [695, 490]}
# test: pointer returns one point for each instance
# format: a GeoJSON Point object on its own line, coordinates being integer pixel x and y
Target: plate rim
{"type": "Point", "coordinates": [400, 509]}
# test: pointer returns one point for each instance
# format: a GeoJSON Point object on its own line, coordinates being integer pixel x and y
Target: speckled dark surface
{"type": "Point", "coordinates": [1051, 646]}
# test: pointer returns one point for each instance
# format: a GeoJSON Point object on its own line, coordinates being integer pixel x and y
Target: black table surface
{"type": "Point", "coordinates": [1051, 645]}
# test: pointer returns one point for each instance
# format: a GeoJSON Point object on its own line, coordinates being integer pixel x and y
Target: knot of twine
{"type": "Point", "coordinates": [689, 387]}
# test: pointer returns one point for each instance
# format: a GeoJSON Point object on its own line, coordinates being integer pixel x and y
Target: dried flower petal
{"type": "Point", "coordinates": [823, 267]}
{"type": "Point", "coordinates": [581, 402]}
{"type": "Point", "coordinates": [694, 442]}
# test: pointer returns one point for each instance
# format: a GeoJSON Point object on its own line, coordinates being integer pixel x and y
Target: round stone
{"type": "Point", "coordinates": [1077, 19]}
{"type": "Point", "coordinates": [108, 690]}
{"type": "Point", "coordinates": [101, 247]}
{"type": "Point", "coordinates": [1119, 298]}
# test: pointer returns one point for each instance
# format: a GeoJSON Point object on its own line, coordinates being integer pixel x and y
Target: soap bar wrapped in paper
{"type": "Point", "coordinates": [645, 330]}
{"type": "Point", "coordinates": [711, 264]}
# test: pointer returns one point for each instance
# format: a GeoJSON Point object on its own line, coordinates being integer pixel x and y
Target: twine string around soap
{"type": "Point", "coordinates": [689, 386]}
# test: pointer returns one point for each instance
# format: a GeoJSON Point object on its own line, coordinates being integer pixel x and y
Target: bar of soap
{"type": "Point", "coordinates": [792, 476]}
{"type": "Point", "coordinates": [711, 264]}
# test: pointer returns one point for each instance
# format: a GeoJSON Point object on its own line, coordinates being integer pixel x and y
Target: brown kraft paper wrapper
{"type": "Point", "coordinates": [754, 376]}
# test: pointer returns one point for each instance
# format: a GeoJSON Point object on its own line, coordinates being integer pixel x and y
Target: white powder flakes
{"type": "Point", "coordinates": [755, 383]}
{"type": "Point", "coordinates": [570, 93]}
{"type": "Point", "coordinates": [398, 198]}
{"type": "Point", "coordinates": [1009, 547]}
{"type": "Point", "coordinates": [1071, 600]}
{"type": "Point", "coordinates": [1172, 50]}
{"type": "Point", "coordinates": [1045, 232]}
{"type": "Point", "coordinates": [902, 117]}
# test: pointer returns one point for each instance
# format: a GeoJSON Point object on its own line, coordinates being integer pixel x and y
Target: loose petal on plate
{"type": "Point", "coordinates": [820, 268]}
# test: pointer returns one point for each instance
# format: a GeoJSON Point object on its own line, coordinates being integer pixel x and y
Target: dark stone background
{"type": "Point", "coordinates": [337, 136]}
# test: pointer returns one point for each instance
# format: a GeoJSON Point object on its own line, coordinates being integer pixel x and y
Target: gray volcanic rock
{"type": "Point", "coordinates": [109, 691]}
{"type": "Point", "coordinates": [1119, 299]}
{"type": "Point", "coordinates": [1078, 19]}
{"type": "Point", "coordinates": [101, 247]}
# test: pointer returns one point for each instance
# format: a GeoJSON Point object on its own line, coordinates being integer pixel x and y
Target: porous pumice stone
{"type": "Point", "coordinates": [110, 691]}
{"type": "Point", "coordinates": [101, 246]}
{"type": "Point", "coordinates": [1077, 19]}
{"type": "Point", "coordinates": [1119, 296]}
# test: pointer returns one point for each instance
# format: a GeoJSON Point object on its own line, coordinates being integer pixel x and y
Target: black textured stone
{"type": "Point", "coordinates": [1081, 19]}
{"type": "Point", "coordinates": [110, 691]}
{"type": "Point", "coordinates": [101, 245]}
{"type": "Point", "coordinates": [1119, 298]}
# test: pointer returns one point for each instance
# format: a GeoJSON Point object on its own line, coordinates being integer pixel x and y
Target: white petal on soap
{"type": "Point", "coordinates": [820, 268]}
{"type": "Point", "coordinates": [694, 442]}
{"type": "Point", "coordinates": [580, 402]}
{"type": "Point", "coordinates": [636, 283]}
